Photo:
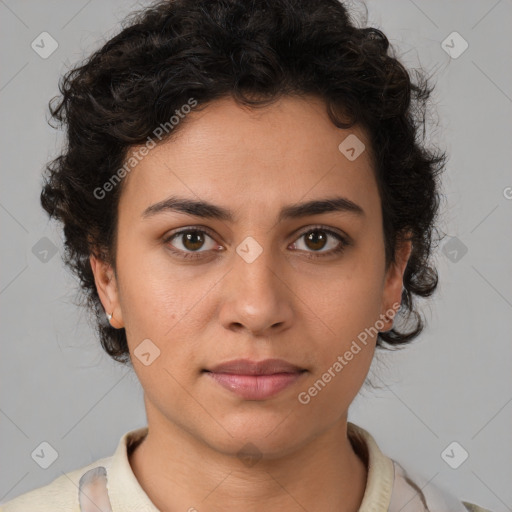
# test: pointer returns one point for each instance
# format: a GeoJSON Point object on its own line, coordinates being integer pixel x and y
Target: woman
{"type": "Point", "coordinates": [250, 212]}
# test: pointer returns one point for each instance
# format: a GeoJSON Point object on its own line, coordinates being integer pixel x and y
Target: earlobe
{"type": "Point", "coordinates": [106, 285]}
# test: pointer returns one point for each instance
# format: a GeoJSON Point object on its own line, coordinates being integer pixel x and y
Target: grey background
{"type": "Point", "coordinates": [452, 384]}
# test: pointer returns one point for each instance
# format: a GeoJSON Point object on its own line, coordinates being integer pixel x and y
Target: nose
{"type": "Point", "coordinates": [256, 297]}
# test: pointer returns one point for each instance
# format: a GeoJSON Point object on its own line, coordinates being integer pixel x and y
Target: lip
{"type": "Point", "coordinates": [255, 380]}
{"type": "Point", "coordinates": [248, 367]}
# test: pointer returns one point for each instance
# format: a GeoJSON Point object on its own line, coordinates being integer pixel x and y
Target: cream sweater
{"type": "Point", "coordinates": [109, 485]}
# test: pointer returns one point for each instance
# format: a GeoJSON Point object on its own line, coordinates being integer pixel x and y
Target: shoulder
{"type": "Point", "coordinates": [392, 488]}
{"type": "Point", "coordinates": [89, 487]}
{"type": "Point", "coordinates": [412, 492]}
{"type": "Point", "coordinates": [62, 494]}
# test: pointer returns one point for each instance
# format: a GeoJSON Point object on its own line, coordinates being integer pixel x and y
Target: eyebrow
{"type": "Point", "coordinates": [211, 211]}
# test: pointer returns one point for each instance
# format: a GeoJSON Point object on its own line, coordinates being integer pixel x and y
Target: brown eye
{"type": "Point", "coordinates": [191, 241]}
{"type": "Point", "coordinates": [317, 239]}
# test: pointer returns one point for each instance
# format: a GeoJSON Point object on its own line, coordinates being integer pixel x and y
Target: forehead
{"type": "Point", "coordinates": [255, 160]}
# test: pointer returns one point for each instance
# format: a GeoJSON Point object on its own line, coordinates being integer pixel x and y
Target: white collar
{"type": "Point", "coordinates": [127, 495]}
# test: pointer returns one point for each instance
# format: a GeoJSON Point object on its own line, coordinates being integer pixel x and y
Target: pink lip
{"type": "Point", "coordinates": [255, 380]}
{"type": "Point", "coordinates": [255, 387]}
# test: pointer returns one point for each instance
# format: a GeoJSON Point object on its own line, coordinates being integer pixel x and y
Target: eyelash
{"type": "Point", "coordinates": [344, 242]}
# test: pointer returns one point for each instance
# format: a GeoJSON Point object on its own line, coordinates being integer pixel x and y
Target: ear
{"type": "Point", "coordinates": [393, 285]}
{"type": "Point", "coordinates": [106, 285]}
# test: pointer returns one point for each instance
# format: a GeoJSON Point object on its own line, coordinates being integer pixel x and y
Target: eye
{"type": "Point", "coordinates": [317, 238]}
{"type": "Point", "coordinates": [190, 240]}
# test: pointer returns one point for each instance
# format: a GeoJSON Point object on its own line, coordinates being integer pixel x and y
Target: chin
{"type": "Point", "coordinates": [263, 434]}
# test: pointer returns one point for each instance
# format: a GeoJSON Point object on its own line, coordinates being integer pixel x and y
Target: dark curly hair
{"type": "Point", "coordinates": [255, 51]}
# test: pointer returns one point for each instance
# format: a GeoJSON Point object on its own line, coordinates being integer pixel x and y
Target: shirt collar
{"type": "Point", "coordinates": [126, 494]}
{"type": "Point", "coordinates": [381, 471]}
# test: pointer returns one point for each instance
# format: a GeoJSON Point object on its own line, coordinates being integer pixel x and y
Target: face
{"type": "Point", "coordinates": [194, 289]}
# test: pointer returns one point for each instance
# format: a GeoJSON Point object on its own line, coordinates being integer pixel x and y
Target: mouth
{"type": "Point", "coordinates": [255, 380]}
{"type": "Point", "coordinates": [248, 367]}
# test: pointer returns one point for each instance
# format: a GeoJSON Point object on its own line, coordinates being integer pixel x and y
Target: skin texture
{"type": "Point", "coordinates": [219, 307]}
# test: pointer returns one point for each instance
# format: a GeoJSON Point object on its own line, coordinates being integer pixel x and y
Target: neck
{"type": "Point", "coordinates": [180, 472]}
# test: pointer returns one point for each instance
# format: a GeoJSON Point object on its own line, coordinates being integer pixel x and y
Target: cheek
{"type": "Point", "coordinates": [345, 309]}
{"type": "Point", "coordinates": [348, 300]}
{"type": "Point", "coordinates": [166, 307]}
{"type": "Point", "coordinates": [152, 297]}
